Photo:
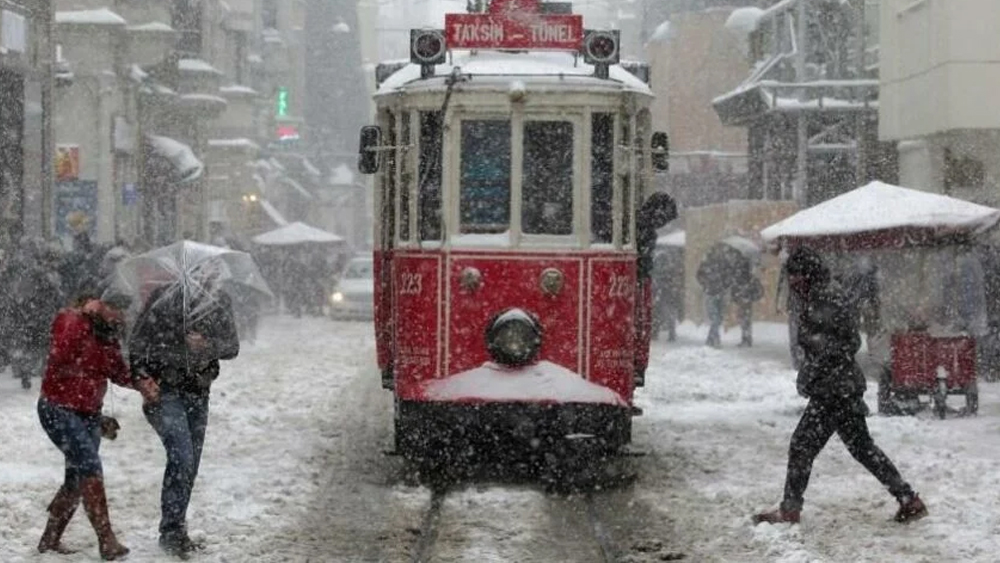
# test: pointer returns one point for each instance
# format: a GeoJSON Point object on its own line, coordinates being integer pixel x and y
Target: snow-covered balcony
{"type": "Point", "coordinates": [150, 43]}
{"type": "Point", "coordinates": [754, 99]}
{"type": "Point", "coordinates": [90, 39]}
{"type": "Point", "coordinates": [198, 76]}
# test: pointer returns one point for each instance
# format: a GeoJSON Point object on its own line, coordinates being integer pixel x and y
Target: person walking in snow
{"type": "Point", "coordinates": [832, 380]}
{"type": "Point", "coordinates": [746, 291]}
{"type": "Point", "coordinates": [179, 352]}
{"type": "Point", "coordinates": [714, 276]}
{"type": "Point", "coordinates": [85, 353]}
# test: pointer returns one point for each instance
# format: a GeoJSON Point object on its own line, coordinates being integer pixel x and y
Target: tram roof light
{"type": "Point", "coordinates": [601, 47]}
{"type": "Point", "coordinates": [427, 47]}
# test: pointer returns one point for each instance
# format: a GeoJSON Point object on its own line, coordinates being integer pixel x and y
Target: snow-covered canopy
{"type": "Point", "coordinates": [100, 16]}
{"type": "Point", "coordinates": [189, 167]}
{"type": "Point", "coordinates": [879, 207]}
{"type": "Point", "coordinates": [663, 32]}
{"type": "Point", "coordinates": [743, 21]}
{"type": "Point", "coordinates": [296, 233]}
{"type": "Point", "coordinates": [272, 212]}
{"type": "Point", "coordinates": [197, 65]}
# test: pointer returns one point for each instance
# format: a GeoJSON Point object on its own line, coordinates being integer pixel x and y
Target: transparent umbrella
{"type": "Point", "coordinates": [196, 274]}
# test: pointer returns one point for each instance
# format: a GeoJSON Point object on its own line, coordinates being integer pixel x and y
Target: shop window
{"type": "Point", "coordinates": [962, 172]}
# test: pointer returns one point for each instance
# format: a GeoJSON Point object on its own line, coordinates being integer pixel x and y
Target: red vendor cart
{"type": "Point", "coordinates": [906, 258]}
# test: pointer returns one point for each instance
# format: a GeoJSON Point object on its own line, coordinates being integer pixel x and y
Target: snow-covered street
{"type": "Point", "coordinates": [294, 469]}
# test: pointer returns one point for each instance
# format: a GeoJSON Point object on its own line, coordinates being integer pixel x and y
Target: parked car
{"type": "Point", "coordinates": [354, 293]}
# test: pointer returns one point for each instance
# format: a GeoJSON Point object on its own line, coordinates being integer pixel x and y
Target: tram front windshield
{"type": "Point", "coordinates": [547, 176]}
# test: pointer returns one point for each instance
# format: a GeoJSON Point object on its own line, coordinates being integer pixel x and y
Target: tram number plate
{"type": "Point", "coordinates": [620, 287]}
{"type": "Point", "coordinates": [410, 283]}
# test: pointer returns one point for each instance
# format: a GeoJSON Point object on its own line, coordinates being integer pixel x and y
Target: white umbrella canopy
{"type": "Point", "coordinates": [296, 233]}
{"type": "Point", "coordinates": [191, 269]}
{"type": "Point", "coordinates": [880, 207]}
{"type": "Point", "coordinates": [748, 248]}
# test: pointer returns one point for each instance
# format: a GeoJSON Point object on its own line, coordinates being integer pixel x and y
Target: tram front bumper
{"type": "Point", "coordinates": [514, 427]}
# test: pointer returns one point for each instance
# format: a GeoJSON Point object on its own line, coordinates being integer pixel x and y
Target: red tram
{"type": "Point", "coordinates": [512, 156]}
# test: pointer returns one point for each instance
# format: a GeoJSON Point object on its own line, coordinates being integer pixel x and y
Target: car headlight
{"type": "Point", "coordinates": [336, 297]}
{"type": "Point", "coordinates": [514, 338]}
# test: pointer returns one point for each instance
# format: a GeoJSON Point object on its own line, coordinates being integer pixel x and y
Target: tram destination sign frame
{"type": "Point", "coordinates": [514, 24]}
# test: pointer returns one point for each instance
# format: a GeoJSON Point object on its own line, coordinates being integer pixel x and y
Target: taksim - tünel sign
{"type": "Point", "coordinates": [514, 24]}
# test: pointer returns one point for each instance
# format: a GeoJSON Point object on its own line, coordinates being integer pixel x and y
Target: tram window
{"type": "Point", "coordinates": [602, 176]}
{"type": "Point", "coordinates": [405, 176]}
{"type": "Point", "coordinates": [627, 184]}
{"type": "Point", "coordinates": [485, 176]}
{"type": "Point", "coordinates": [430, 176]}
{"type": "Point", "coordinates": [548, 178]}
{"type": "Point", "coordinates": [389, 182]}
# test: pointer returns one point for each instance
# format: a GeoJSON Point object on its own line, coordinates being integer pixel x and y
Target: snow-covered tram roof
{"type": "Point", "coordinates": [535, 68]}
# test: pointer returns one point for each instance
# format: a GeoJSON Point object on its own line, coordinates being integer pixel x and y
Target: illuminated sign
{"type": "Point", "coordinates": [287, 133]}
{"type": "Point", "coordinates": [514, 24]}
{"type": "Point", "coordinates": [281, 109]}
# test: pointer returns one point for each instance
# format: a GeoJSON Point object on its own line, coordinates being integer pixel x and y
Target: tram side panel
{"type": "Point", "coordinates": [611, 324]}
{"type": "Point", "coordinates": [417, 313]}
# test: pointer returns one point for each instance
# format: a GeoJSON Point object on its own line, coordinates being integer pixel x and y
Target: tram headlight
{"type": "Point", "coordinates": [336, 297]}
{"type": "Point", "coordinates": [514, 338]}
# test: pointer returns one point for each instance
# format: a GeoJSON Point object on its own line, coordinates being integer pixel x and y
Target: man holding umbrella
{"type": "Point", "coordinates": [183, 330]}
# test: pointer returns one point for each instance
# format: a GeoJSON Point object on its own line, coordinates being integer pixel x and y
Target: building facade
{"type": "Point", "coordinates": [25, 136]}
{"type": "Point", "coordinates": [940, 68]}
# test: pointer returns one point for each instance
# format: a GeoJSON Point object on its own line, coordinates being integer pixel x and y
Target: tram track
{"type": "Point", "coordinates": [428, 533]}
{"type": "Point", "coordinates": [590, 537]}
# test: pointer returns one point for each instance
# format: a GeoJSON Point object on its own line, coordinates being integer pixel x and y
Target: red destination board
{"type": "Point", "coordinates": [514, 24]}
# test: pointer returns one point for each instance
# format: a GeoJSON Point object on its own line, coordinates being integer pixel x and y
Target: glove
{"type": "Point", "coordinates": [109, 427]}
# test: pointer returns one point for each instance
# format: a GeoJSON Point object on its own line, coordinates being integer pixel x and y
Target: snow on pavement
{"type": "Point", "coordinates": [255, 479]}
{"type": "Point", "coordinates": [722, 419]}
{"type": "Point", "coordinates": [293, 471]}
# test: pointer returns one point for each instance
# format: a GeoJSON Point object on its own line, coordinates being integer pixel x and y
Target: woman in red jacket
{"type": "Point", "coordinates": [84, 354]}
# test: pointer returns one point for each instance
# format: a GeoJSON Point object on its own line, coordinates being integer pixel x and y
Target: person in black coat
{"type": "Point", "coordinates": [175, 349]}
{"type": "Point", "coordinates": [746, 290]}
{"type": "Point", "coordinates": [832, 380]}
{"type": "Point", "coordinates": [715, 275]}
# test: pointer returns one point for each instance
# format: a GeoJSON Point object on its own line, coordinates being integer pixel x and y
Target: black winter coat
{"type": "Point", "coordinates": [828, 335]}
{"type": "Point", "coordinates": [158, 347]}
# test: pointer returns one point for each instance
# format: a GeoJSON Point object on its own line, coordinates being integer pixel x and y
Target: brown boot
{"type": "Point", "coordinates": [95, 502]}
{"type": "Point", "coordinates": [777, 516]}
{"type": "Point", "coordinates": [61, 511]}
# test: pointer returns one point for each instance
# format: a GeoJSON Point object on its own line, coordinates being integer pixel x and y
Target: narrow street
{"type": "Point", "coordinates": [294, 470]}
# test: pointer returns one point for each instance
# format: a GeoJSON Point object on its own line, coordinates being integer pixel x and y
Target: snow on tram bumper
{"type": "Point", "coordinates": [536, 406]}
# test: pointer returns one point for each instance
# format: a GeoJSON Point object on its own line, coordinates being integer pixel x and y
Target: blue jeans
{"type": "Point", "coordinates": [715, 309]}
{"type": "Point", "coordinates": [78, 437]}
{"type": "Point", "coordinates": [180, 419]}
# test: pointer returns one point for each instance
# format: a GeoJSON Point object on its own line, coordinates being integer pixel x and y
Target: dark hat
{"type": "Point", "coordinates": [804, 261]}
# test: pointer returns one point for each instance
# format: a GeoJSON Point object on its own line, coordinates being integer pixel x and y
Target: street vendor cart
{"type": "Point", "coordinates": [907, 260]}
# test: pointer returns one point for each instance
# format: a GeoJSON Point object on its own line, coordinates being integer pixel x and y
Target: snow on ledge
{"type": "Point", "coordinates": [233, 143]}
{"type": "Point", "coordinates": [196, 65]}
{"type": "Point", "coordinates": [238, 89]}
{"type": "Point", "coordinates": [101, 16]}
{"type": "Point", "coordinates": [158, 27]}
{"type": "Point", "coordinates": [541, 382]}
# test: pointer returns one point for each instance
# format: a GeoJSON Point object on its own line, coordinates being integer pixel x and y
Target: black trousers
{"type": "Point", "coordinates": [846, 417]}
